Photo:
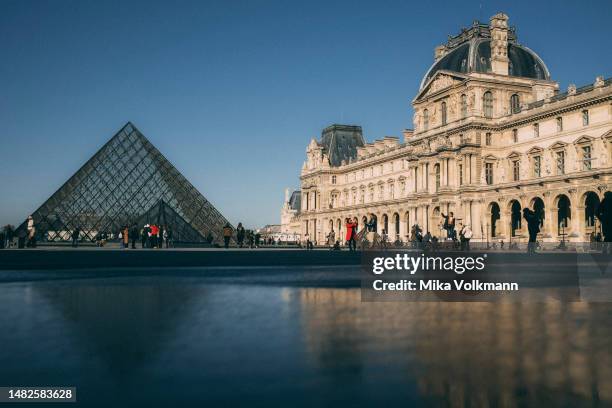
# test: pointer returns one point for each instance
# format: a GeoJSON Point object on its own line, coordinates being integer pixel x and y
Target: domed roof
{"type": "Point", "coordinates": [475, 56]}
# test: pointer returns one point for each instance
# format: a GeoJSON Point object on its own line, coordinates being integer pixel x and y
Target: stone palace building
{"type": "Point", "coordinates": [492, 134]}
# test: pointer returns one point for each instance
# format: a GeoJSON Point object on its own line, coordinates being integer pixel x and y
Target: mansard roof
{"type": "Point", "coordinates": [340, 143]}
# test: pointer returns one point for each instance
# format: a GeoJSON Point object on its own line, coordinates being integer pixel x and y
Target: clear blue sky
{"type": "Point", "coordinates": [232, 91]}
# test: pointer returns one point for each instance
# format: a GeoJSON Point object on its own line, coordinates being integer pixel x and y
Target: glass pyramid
{"type": "Point", "coordinates": [128, 181]}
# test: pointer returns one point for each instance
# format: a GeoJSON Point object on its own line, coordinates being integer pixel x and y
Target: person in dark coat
{"type": "Point", "coordinates": [449, 225]}
{"type": "Point", "coordinates": [75, 237]}
{"type": "Point", "coordinates": [143, 236]}
{"type": "Point", "coordinates": [240, 234]}
{"type": "Point", "coordinates": [604, 215]}
{"type": "Point", "coordinates": [227, 235]}
{"type": "Point", "coordinates": [533, 227]}
{"type": "Point", "coordinates": [134, 235]}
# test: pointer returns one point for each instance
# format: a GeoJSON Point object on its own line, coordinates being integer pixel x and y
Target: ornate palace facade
{"type": "Point", "coordinates": [492, 134]}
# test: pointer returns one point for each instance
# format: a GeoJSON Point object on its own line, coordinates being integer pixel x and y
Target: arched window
{"type": "Point", "coordinates": [564, 212]}
{"type": "Point", "coordinates": [425, 119]}
{"type": "Point", "coordinates": [464, 106]}
{"type": "Point", "coordinates": [515, 105]}
{"type": "Point", "coordinates": [487, 101]}
{"type": "Point", "coordinates": [444, 118]}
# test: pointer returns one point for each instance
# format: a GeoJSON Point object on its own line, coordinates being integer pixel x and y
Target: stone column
{"type": "Point", "coordinates": [549, 216]}
{"type": "Point", "coordinates": [575, 214]}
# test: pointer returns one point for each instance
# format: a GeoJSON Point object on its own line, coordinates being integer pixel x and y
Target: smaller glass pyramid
{"type": "Point", "coordinates": [128, 181]}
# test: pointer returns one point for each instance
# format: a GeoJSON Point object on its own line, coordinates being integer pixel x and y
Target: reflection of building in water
{"type": "Point", "coordinates": [492, 135]}
{"type": "Point", "coordinates": [471, 354]}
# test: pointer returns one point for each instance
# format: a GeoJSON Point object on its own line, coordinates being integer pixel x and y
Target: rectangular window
{"type": "Point", "coordinates": [585, 117]}
{"type": "Point", "coordinates": [559, 124]}
{"type": "Point", "coordinates": [489, 173]}
{"type": "Point", "coordinates": [488, 139]}
{"type": "Point", "coordinates": [536, 130]}
{"type": "Point", "coordinates": [561, 162]}
{"type": "Point", "coordinates": [461, 174]}
{"type": "Point", "coordinates": [537, 166]}
{"type": "Point", "coordinates": [586, 158]}
{"type": "Point", "coordinates": [392, 191]}
{"type": "Point", "coordinates": [515, 135]}
{"type": "Point", "coordinates": [516, 170]}
{"type": "Point", "coordinates": [333, 179]}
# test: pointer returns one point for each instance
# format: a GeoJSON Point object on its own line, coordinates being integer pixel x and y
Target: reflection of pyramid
{"type": "Point", "coordinates": [162, 214]}
{"type": "Point", "coordinates": [126, 179]}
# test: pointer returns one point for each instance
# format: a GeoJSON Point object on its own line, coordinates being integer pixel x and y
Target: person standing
{"type": "Point", "coordinates": [449, 225]}
{"type": "Point", "coordinates": [31, 232]}
{"type": "Point", "coordinates": [75, 237]}
{"type": "Point", "coordinates": [466, 234]}
{"type": "Point", "coordinates": [155, 236]}
{"type": "Point", "coordinates": [331, 238]}
{"type": "Point", "coordinates": [165, 236]}
{"type": "Point", "coordinates": [126, 236]}
{"type": "Point", "coordinates": [143, 236]}
{"type": "Point", "coordinates": [134, 235]}
{"type": "Point", "coordinates": [533, 227]}
{"type": "Point", "coordinates": [240, 234]}
{"type": "Point", "coordinates": [350, 233]}
{"type": "Point", "coordinates": [227, 235]}
{"type": "Point", "coordinates": [169, 242]}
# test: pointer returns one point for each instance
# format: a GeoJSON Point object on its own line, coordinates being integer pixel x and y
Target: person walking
{"type": "Point", "coordinates": [604, 215]}
{"type": "Point", "coordinates": [227, 235]}
{"type": "Point", "coordinates": [533, 227]}
{"type": "Point", "coordinates": [75, 237]}
{"type": "Point", "coordinates": [240, 235]}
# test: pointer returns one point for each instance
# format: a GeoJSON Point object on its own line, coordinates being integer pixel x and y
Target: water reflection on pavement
{"type": "Point", "coordinates": [184, 339]}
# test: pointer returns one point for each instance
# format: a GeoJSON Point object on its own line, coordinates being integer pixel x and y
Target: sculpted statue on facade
{"type": "Point", "coordinates": [502, 172]}
{"type": "Point", "coordinates": [416, 120]}
{"type": "Point", "coordinates": [547, 165]}
{"type": "Point", "coordinates": [453, 104]}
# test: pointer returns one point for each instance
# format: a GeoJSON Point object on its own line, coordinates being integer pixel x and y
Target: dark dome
{"type": "Point", "coordinates": [475, 56]}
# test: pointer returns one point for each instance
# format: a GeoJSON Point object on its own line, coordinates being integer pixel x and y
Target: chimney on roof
{"type": "Point", "coordinates": [408, 133]}
{"type": "Point", "coordinates": [499, 43]}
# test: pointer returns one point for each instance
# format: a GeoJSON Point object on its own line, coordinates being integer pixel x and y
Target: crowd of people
{"type": "Point", "coordinates": [245, 238]}
{"type": "Point", "coordinates": [160, 236]}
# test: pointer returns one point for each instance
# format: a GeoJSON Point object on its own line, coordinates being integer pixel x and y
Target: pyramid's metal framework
{"type": "Point", "coordinates": [125, 182]}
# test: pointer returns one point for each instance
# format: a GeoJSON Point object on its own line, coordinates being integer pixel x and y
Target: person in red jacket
{"type": "Point", "coordinates": [351, 227]}
{"type": "Point", "coordinates": [154, 233]}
